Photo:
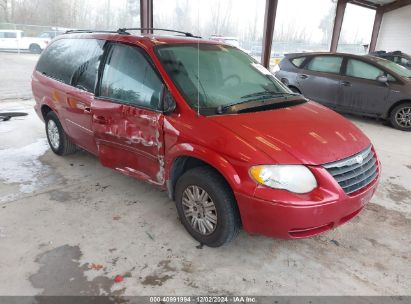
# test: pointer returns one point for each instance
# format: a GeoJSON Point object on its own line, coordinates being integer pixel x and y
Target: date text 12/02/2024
{"type": "Point", "coordinates": [203, 299]}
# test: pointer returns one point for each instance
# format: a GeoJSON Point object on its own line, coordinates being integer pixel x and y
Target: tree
{"type": "Point", "coordinates": [5, 9]}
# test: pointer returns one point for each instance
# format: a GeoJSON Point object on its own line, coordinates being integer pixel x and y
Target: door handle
{"type": "Point", "coordinates": [101, 120]}
{"type": "Point", "coordinates": [303, 76]}
{"type": "Point", "coordinates": [346, 83]}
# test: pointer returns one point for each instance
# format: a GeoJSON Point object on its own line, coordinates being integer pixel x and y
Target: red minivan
{"type": "Point", "coordinates": [204, 121]}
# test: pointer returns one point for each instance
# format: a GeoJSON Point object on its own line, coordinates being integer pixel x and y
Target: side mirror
{"type": "Point", "coordinates": [382, 79]}
{"type": "Point", "coordinates": [169, 104]}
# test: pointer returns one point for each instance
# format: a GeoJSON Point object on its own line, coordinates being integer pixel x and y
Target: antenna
{"type": "Point", "coordinates": [198, 64]}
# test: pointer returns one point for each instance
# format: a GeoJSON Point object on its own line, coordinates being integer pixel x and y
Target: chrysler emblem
{"type": "Point", "coordinates": [359, 159]}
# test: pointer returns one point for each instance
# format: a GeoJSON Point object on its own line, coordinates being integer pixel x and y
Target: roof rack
{"type": "Point", "coordinates": [124, 31]}
{"type": "Point", "coordinates": [93, 31]}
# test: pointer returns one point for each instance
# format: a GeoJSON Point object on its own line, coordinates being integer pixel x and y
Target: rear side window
{"type": "Point", "coordinates": [327, 64]}
{"type": "Point", "coordinates": [72, 61]}
{"type": "Point", "coordinates": [298, 61]}
{"type": "Point", "coordinates": [361, 69]}
{"type": "Point", "coordinates": [129, 77]}
{"type": "Point", "coordinates": [8, 35]}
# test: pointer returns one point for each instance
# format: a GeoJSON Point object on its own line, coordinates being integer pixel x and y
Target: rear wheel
{"type": "Point", "coordinates": [400, 117]}
{"type": "Point", "coordinates": [35, 49]}
{"type": "Point", "coordinates": [207, 207]}
{"type": "Point", "coordinates": [57, 137]}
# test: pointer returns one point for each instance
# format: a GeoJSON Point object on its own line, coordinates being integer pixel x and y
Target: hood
{"type": "Point", "coordinates": [303, 134]}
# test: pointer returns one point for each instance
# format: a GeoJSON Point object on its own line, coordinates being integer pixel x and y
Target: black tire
{"type": "Point", "coordinates": [65, 146]}
{"type": "Point", "coordinates": [35, 49]}
{"type": "Point", "coordinates": [228, 217]}
{"type": "Point", "coordinates": [395, 117]}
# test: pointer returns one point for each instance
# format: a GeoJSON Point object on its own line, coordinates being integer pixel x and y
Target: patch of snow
{"type": "Point", "coordinates": [21, 165]}
{"type": "Point", "coordinates": [5, 127]}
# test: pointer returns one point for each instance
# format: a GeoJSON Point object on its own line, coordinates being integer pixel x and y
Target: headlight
{"type": "Point", "coordinates": [294, 178]}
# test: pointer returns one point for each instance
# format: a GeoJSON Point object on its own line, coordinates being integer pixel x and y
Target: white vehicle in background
{"type": "Point", "coordinates": [15, 40]}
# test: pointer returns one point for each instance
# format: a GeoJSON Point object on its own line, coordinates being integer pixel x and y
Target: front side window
{"type": "Point", "coordinates": [45, 35]}
{"type": "Point", "coordinates": [130, 78]}
{"type": "Point", "coordinates": [361, 69]}
{"type": "Point", "coordinates": [210, 76]}
{"type": "Point", "coordinates": [396, 68]}
{"type": "Point", "coordinates": [401, 60]}
{"type": "Point", "coordinates": [326, 64]}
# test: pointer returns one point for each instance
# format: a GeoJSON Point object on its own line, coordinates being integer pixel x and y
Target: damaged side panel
{"type": "Point", "coordinates": [130, 139]}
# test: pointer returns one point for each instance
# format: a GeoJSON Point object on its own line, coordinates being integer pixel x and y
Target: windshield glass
{"type": "Point", "coordinates": [399, 69]}
{"type": "Point", "coordinates": [212, 76]}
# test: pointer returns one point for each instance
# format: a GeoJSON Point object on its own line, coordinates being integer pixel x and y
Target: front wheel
{"type": "Point", "coordinates": [400, 117]}
{"type": "Point", "coordinates": [206, 207]}
{"type": "Point", "coordinates": [57, 137]}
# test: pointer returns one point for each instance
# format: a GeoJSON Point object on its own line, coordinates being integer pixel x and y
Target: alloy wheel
{"type": "Point", "coordinates": [199, 210]}
{"type": "Point", "coordinates": [403, 117]}
{"type": "Point", "coordinates": [53, 134]}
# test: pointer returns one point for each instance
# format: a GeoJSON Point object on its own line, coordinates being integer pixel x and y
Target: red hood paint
{"type": "Point", "coordinates": [311, 134]}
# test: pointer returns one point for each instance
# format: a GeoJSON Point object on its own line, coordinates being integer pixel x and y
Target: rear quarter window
{"type": "Point", "coordinates": [72, 61]}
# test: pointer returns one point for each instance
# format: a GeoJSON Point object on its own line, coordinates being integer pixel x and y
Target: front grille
{"type": "Point", "coordinates": [355, 172]}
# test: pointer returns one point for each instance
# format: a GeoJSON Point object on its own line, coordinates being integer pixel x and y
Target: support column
{"type": "Point", "coordinates": [339, 17]}
{"type": "Point", "coordinates": [376, 29]}
{"type": "Point", "coordinates": [146, 15]}
{"type": "Point", "coordinates": [269, 22]}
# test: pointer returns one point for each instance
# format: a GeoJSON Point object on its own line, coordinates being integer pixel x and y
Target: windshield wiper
{"type": "Point", "coordinates": [262, 95]}
{"type": "Point", "coordinates": [268, 93]}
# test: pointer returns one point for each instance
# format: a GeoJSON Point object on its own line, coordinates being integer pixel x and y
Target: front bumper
{"type": "Point", "coordinates": [297, 216]}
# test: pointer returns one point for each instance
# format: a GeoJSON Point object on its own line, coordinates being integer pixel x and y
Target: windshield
{"type": "Point", "coordinates": [211, 76]}
{"type": "Point", "coordinates": [399, 69]}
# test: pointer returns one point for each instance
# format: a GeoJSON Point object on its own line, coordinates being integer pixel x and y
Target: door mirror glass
{"type": "Point", "coordinates": [382, 78]}
{"type": "Point", "coordinates": [169, 104]}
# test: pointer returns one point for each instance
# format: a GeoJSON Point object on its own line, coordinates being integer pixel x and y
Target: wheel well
{"type": "Point", "coordinates": [295, 88]}
{"type": "Point", "coordinates": [394, 105]}
{"type": "Point", "coordinates": [181, 165]}
{"type": "Point", "coordinates": [34, 44]}
{"type": "Point", "coordinates": [285, 81]}
{"type": "Point", "coordinates": [45, 110]}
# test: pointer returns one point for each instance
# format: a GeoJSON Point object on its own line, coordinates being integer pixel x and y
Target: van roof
{"type": "Point", "coordinates": [153, 39]}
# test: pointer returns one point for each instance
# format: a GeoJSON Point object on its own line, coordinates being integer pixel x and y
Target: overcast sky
{"type": "Point", "coordinates": [300, 14]}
